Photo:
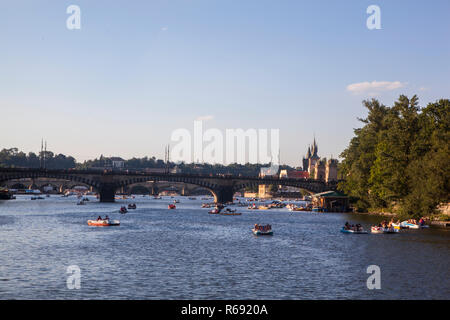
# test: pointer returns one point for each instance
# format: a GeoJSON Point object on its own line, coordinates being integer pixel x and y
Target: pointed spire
{"type": "Point", "coordinates": [315, 148]}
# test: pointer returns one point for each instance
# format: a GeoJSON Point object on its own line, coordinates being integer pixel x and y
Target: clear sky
{"type": "Point", "coordinates": [138, 70]}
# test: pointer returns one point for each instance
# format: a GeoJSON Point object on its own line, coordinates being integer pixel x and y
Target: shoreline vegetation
{"type": "Point", "coordinates": [398, 162]}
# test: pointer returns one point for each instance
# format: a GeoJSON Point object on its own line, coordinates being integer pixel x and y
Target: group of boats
{"type": "Point", "coordinates": [107, 222]}
{"type": "Point", "coordinates": [266, 229]}
{"type": "Point", "coordinates": [385, 227]}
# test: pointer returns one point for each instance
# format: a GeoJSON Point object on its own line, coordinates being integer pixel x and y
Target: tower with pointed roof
{"type": "Point", "coordinates": [311, 158]}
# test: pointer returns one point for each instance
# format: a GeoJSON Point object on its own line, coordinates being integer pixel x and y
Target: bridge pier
{"type": "Point", "coordinates": [107, 192]}
{"type": "Point", "coordinates": [223, 195]}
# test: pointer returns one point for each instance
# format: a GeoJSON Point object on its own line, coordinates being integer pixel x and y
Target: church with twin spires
{"type": "Point", "coordinates": [318, 168]}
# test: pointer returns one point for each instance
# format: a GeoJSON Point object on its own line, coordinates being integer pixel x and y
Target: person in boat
{"type": "Point", "coordinates": [99, 218]}
{"type": "Point", "coordinates": [421, 221]}
{"type": "Point", "coordinates": [106, 218]}
{"type": "Point", "coordinates": [347, 226]}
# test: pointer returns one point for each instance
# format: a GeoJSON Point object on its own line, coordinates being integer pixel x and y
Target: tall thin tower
{"type": "Point", "coordinates": [167, 157]}
{"type": "Point", "coordinates": [45, 152]}
{"type": "Point", "coordinates": [40, 153]}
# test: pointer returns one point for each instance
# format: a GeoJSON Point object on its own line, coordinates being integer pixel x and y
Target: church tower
{"type": "Point", "coordinates": [305, 161]}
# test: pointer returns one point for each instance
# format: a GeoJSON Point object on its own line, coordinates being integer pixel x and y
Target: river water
{"type": "Point", "coordinates": [187, 253]}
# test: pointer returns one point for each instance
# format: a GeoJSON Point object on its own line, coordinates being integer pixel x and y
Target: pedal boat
{"type": "Point", "coordinates": [225, 213]}
{"type": "Point", "coordinates": [383, 230]}
{"type": "Point", "coordinates": [343, 230]}
{"type": "Point", "coordinates": [408, 225]}
{"type": "Point", "coordinates": [262, 233]}
{"type": "Point", "coordinates": [103, 223]}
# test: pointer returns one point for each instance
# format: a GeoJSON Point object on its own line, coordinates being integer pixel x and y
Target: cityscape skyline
{"type": "Point", "coordinates": [133, 74]}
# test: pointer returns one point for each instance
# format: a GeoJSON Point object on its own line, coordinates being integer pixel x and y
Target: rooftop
{"type": "Point", "coordinates": [330, 193]}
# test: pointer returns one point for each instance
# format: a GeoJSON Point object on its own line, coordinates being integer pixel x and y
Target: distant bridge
{"type": "Point", "coordinates": [106, 183]}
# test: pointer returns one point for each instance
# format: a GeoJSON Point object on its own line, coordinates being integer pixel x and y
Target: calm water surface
{"type": "Point", "coordinates": [186, 253]}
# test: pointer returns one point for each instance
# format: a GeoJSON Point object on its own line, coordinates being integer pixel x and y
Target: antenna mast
{"type": "Point", "coordinates": [40, 153]}
{"type": "Point", "coordinates": [167, 158]}
{"type": "Point", "coordinates": [45, 151]}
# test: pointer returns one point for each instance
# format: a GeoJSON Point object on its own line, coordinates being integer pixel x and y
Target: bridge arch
{"type": "Point", "coordinates": [51, 175]}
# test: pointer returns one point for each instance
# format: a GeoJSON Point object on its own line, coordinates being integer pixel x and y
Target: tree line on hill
{"type": "Point", "coordinates": [13, 158]}
{"type": "Point", "coordinates": [399, 161]}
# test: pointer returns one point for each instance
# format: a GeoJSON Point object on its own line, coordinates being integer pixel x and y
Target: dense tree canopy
{"type": "Point", "coordinates": [399, 159]}
{"type": "Point", "coordinates": [15, 158]}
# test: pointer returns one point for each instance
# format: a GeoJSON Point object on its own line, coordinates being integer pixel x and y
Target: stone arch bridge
{"type": "Point", "coordinates": [106, 183]}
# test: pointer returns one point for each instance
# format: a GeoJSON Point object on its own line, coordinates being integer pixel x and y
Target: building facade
{"type": "Point", "coordinates": [318, 168]}
{"type": "Point", "coordinates": [311, 158]}
{"type": "Point", "coordinates": [331, 170]}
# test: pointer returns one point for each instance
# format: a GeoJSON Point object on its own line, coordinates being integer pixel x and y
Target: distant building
{"type": "Point", "coordinates": [109, 163]}
{"type": "Point", "coordinates": [175, 169]}
{"type": "Point", "coordinates": [331, 170]}
{"type": "Point", "coordinates": [265, 191]}
{"type": "Point", "coordinates": [117, 162]}
{"type": "Point", "coordinates": [317, 168]}
{"type": "Point", "coordinates": [292, 174]}
{"type": "Point", "coordinates": [311, 158]}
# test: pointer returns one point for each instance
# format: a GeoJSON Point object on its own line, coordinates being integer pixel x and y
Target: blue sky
{"type": "Point", "coordinates": [138, 70]}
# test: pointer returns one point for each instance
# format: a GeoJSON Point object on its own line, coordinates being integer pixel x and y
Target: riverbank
{"type": "Point", "coordinates": [434, 223]}
{"type": "Point", "coordinates": [440, 224]}
{"type": "Point", "coordinates": [375, 213]}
